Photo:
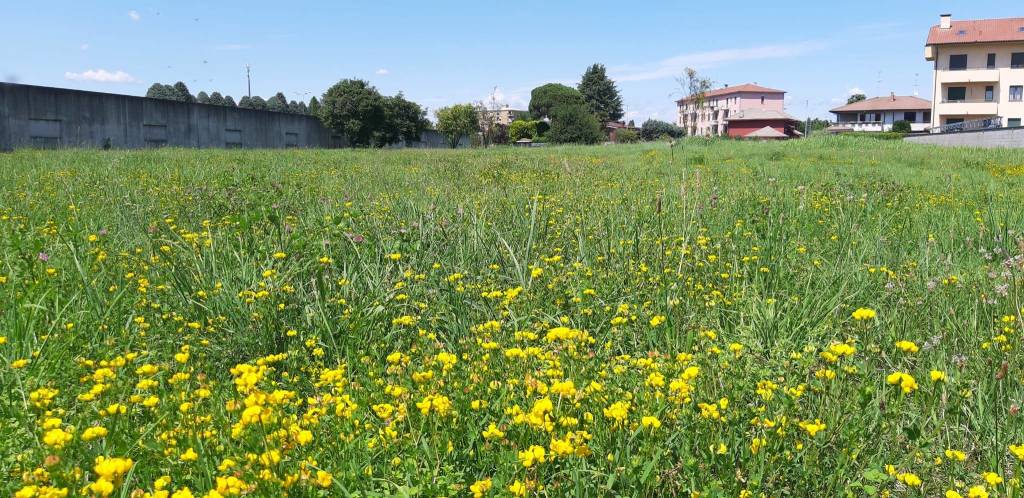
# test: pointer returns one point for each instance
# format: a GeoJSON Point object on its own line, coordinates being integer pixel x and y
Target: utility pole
{"type": "Point", "coordinates": [807, 122]}
{"type": "Point", "coordinates": [248, 80]}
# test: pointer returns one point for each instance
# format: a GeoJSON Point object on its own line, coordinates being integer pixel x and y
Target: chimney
{"type": "Point", "coordinates": [946, 21]}
{"type": "Point", "coordinates": [892, 96]}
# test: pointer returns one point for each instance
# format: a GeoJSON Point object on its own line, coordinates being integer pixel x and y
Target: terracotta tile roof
{"type": "Point", "coordinates": [758, 115]}
{"type": "Point", "coordinates": [978, 31]}
{"type": "Point", "coordinates": [899, 103]}
{"type": "Point", "coordinates": [729, 90]}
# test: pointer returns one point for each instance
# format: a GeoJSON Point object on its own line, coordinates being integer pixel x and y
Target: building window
{"type": "Point", "coordinates": [991, 61]}
{"type": "Point", "coordinates": [762, 100]}
{"type": "Point", "coordinates": [1016, 93]}
{"type": "Point", "coordinates": [1013, 123]}
{"type": "Point", "coordinates": [154, 135]}
{"type": "Point", "coordinates": [990, 93]}
{"type": "Point", "coordinates": [956, 94]}
{"type": "Point", "coordinates": [910, 116]}
{"type": "Point", "coordinates": [954, 120]}
{"type": "Point", "coordinates": [1017, 60]}
{"type": "Point", "coordinates": [927, 117]}
{"type": "Point", "coordinates": [957, 62]}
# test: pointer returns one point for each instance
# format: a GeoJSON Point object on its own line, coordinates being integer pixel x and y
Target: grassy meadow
{"type": "Point", "coordinates": [826, 317]}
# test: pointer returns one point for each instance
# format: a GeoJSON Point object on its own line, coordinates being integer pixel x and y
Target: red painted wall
{"type": "Point", "coordinates": [743, 128]}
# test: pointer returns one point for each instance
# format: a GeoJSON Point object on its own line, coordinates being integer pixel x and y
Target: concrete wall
{"type": "Point", "coordinates": [1006, 137]}
{"type": "Point", "coordinates": [35, 116]}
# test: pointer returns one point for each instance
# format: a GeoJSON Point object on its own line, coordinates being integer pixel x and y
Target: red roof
{"type": "Point", "coordinates": [729, 90]}
{"type": "Point", "coordinates": [897, 103]}
{"type": "Point", "coordinates": [978, 31]}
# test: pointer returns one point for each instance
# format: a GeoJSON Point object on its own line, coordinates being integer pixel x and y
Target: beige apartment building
{"type": "Point", "coordinates": [979, 72]}
{"type": "Point", "coordinates": [710, 115]}
{"type": "Point", "coordinates": [503, 116]}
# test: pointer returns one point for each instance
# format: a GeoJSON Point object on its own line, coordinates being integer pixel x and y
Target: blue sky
{"type": "Point", "coordinates": [442, 52]}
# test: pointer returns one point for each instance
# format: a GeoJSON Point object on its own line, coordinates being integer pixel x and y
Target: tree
{"type": "Point", "coordinates": [302, 109]}
{"type": "Point", "coordinates": [277, 103]}
{"type": "Point", "coordinates": [653, 129]}
{"type": "Point", "coordinates": [403, 120]}
{"type": "Point", "coordinates": [181, 93]}
{"type": "Point", "coordinates": [574, 124]}
{"type": "Point", "coordinates": [160, 91]}
{"type": "Point", "coordinates": [456, 121]}
{"type": "Point", "coordinates": [857, 97]}
{"type": "Point", "coordinates": [258, 103]}
{"type": "Point", "coordinates": [314, 107]}
{"type": "Point", "coordinates": [486, 120]}
{"type": "Point", "coordinates": [521, 129]}
{"type": "Point", "coordinates": [545, 98]}
{"type": "Point", "coordinates": [202, 98]}
{"type": "Point", "coordinates": [600, 94]}
{"type": "Point", "coordinates": [216, 98]}
{"type": "Point", "coordinates": [245, 102]}
{"type": "Point", "coordinates": [230, 102]}
{"type": "Point", "coordinates": [902, 126]}
{"type": "Point", "coordinates": [354, 109]}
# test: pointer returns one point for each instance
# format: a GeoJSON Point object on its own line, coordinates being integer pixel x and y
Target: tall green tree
{"type": "Point", "coordinates": [278, 103]}
{"type": "Point", "coordinates": [574, 124]}
{"type": "Point", "coordinates": [457, 121]}
{"type": "Point", "coordinates": [245, 102]}
{"type": "Point", "coordinates": [314, 107]}
{"type": "Point", "coordinates": [258, 103]}
{"type": "Point", "coordinates": [355, 109]}
{"type": "Point", "coordinates": [202, 98]}
{"type": "Point", "coordinates": [230, 102]}
{"type": "Point", "coordinates": [403, 120]}
{"type": "Point", "coordinates": [857, 97]}
{"type": "Point", "coordinates": [182, 94]}
{"type": "Point", "coordinates": [547, 97]}
{"type": "Point", "coordinates": [600, 94]}
{"type": "Point", "coordinates": [216, 98]}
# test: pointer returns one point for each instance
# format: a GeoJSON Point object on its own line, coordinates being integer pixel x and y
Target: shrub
{"type": "Point", "coordinates": [627, 136]}
{"type": "Point", "coordinates": [574, 124]}
{"type": "Point", "coordinates": [653, 129]}
{"type": "Point", "coordinates": [522, 129]}
{"type": "Point", "coordinates": [901, 126]}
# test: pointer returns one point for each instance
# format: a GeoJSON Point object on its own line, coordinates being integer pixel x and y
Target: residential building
{"type": "Point", "coordinates": [979, 71]}
{"type": "Point", "coordinates": [879, 114]}
{"type": "Point", "coordinates": [503, 116]}
{"type": "Point", "coordinates": [761, 124]}
{"type": "Point", "coordinates": [611, 129]}
{"type": "Point", "coordinates": [709, 115]}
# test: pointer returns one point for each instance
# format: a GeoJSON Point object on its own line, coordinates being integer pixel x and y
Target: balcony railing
{"type": "Point", "coordinates": [969, 101]}
{"type": "Point", "coordinates": [976, 124]}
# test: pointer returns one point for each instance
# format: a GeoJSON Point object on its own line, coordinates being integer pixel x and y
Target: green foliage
{"type": "Point", "coordinates": [857, 97]}
{"type": "Point", "coordinates": [245, 102]}
{"type": "Point", "coordinates": [229, 102]}
{"type": "Point", "coordinates": [545, 98]}
{"type": "Point", "coordinates": [182, 94]}
{"type": "Point", "coordinates": [653, 129]}
{"type": "Point", "coordinates": [626, 136]}
{"type": "Point", "coordinates": [314, 107]}
{"type": "Point", "coordinates": [258, 103]}
{"type": "Point", "coordinates": [522, 129]}
{"type": "Point", "coordinates": [902, 126]}
{"type": "Point", "coordinates": [216, 99]}
{"type": "Point", "coordinates": [403, 120]}
{"type": "Point", "coordinates": [457, 121]}
{"type": "Point", "coordinates": [278, 103]}
{"type": "Point", "coordinates": [355, 109]}
{"type": "Point", "coordinates": [600, 94]}
{"type": "Point", "coordinates": [574, 124]}
{"type": "Point", "coordinates": [816, 125]}
{"type": "Point", "coordinates": [202, 98]}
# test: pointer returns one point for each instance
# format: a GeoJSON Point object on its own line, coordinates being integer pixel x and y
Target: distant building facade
{"type": "Point", "coordinates": [710, 115]}
{"type": "Point", "coordinates": [879, 113]}
{"type": "Point", "coordinates": [979, 70]}
{"type": "Point", "coordinates": [504, 116]}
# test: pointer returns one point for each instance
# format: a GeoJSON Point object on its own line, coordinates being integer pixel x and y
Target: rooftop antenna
{"type": "Point", "coordinates": [248, 80]}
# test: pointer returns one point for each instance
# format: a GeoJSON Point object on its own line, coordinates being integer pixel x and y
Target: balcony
{"type": "Point", "coordinates": [968, 76]}
{"type": "Point", "coordinates": [969, 107]}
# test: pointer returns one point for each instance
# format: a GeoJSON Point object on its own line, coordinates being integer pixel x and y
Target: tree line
{"type": "Point", "coordinates": [179, 92]}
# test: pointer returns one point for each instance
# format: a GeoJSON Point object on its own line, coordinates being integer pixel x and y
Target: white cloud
{"type": "Point", "coordinates": [674, 66]}
{"type": "Point", "coordinates": [101, 76]}
{"type": "Point", "coordinates": [232, 46]}
{"type": "Point", "coordinates": [84, 47]}
{"type": "Point", "coordinates": [134, 15]}
{"type": "Point", "coordinates": [855, 90]}
{"type": "Point", "coordinates": [382, 72]}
